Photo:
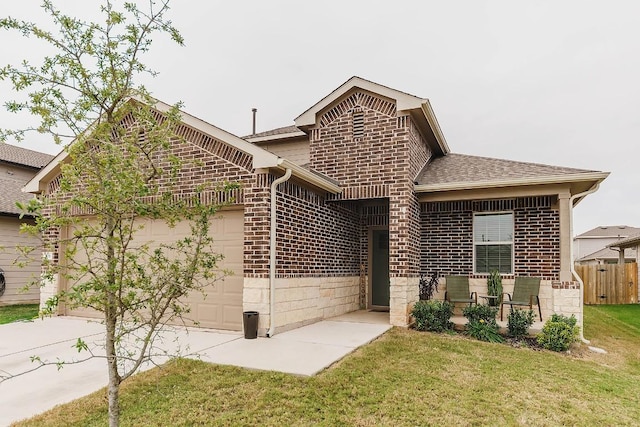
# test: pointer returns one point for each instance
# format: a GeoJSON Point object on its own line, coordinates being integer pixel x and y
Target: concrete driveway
{"type": "Point", "coordinates": [303, 351]}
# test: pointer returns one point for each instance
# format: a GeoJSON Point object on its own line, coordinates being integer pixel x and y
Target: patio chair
{"type": "Point", "coordinates": [525, 292]}
{"type": "Point", "coordinates": [458, 291]}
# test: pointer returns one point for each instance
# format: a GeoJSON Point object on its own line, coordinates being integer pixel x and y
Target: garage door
{"type": "Point", "coordinates": [222, 306]}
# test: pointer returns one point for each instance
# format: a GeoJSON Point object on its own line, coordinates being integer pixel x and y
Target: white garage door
{"type": "Point", "coordinates": [222, 306]}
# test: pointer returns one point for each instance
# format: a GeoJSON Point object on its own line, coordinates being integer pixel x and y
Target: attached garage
{"type": "Point", "coordinates": [222, 306]}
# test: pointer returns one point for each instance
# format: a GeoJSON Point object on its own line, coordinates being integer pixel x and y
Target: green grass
{"type": "Point", "coordinates": [404, 378]}
{"type": "Point", "coordinates": [12, 313]}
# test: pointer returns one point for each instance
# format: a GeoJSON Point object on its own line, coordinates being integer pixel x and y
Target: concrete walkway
{"type": "Point", "coordinates": [303, 351]}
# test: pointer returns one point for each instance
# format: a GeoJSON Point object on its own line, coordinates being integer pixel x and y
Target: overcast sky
{"type": "Point", "coordinates": [554, 82]}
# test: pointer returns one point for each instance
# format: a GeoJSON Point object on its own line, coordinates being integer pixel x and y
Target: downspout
{"type": "Point", "coordinates": [573, 270]}
{"type": "Point", "coordinates": [272, 253]}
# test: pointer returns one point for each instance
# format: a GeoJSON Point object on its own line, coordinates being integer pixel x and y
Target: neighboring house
{"type": "Point", "coordinates": [607, 256]}
{"type": "Point", "coordinates": [369, 197]}
{"type": "Point", "coordinates": [17, 167]}
{"type": "Point", "coordinates": [586, 246]}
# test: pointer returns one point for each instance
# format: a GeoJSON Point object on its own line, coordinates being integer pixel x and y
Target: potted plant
{"type": "Point", "coordinates": [494, 288]}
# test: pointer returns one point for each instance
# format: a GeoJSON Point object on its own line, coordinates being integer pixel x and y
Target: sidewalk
{"type": "Point", "coordinates": [303, 351]}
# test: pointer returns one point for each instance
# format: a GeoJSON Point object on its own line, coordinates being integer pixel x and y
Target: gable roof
{"type": "Point", "coordinates": [609, 231]}
{"type": "Point", "coordinates": [23, 157]}
{"type": "Point", "coordinates": [463, 172]}
{"type": "Point", "coordinates": [419, 108]}
{"type": "Point", "coordinates": [261, 157]}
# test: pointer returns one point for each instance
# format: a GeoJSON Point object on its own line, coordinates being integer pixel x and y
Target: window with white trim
{"type": "Point", "coordinates": [493, 242]}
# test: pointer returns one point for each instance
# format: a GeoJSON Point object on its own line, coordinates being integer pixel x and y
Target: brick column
{"type": "Point", "coordinates": [404, 259]}
{"type": "Point", "coordinates": [256, 249]}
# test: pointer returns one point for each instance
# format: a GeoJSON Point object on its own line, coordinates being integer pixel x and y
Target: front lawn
{"type": "Point", "coordinates": [404, 378]}
{"type": "Point", "coordinates": [12, 313]}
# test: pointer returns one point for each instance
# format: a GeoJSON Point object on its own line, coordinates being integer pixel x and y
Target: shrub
{"type": "Point", "coordinates": [519, 322]}
{"type": "Point", "coordinates": [475, 313]}
{"type": "Point", "coordinates": [494, 287]}
{"type": "Point", "coordinates": [432, 315]}
{"type": "Point", "coordinates": [483, 331]}
{"type": "Point", "coordinates": [558, 333]}
{"type": "Point", "coordinates": [482, 323]}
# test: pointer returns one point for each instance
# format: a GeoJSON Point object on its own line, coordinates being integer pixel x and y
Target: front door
{"type": "Point", "coordinates": [379, 269]}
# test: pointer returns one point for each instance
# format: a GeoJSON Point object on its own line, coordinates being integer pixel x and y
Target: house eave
{"type": "Point", "coordinates": [427, 110]}
{"type": "Point", "coordinates": [592, 178]}
{"type": "Point", "coordinates": [276, 137]}
{"type": "Point", "coordinates": [36, 184]}
{"type": "Point", "coordinates": [309, 177]}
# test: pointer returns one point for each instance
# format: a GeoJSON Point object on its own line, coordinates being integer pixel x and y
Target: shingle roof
{"type": "Point", "coordinates": [628, 242]}
{"type": "Point", "coordinates": [277, 131]}
{"type": "Point", "coordinates": [461, 168]}
{"type": "Point", "coordinates": [607, 253]}
{"type": "Point", "coordinates": [10, 194]}
{"type": "Point", "coordinates": [22, 156]}
{"type": "Point", "coordinates": [610, 231]}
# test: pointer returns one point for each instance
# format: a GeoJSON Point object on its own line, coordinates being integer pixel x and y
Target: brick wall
{"type": "Point", "coordinates": [447, 239]}
{"type": "Point", "coordinates": [381, 163]}
{"type": "Point", "coordinates": [206, 160]}
{"type": "Point", "coordinates": [316, 238]}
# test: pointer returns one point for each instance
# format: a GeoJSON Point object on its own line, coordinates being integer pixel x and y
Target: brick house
{"type": "Point", "coordinates": [367, 196]}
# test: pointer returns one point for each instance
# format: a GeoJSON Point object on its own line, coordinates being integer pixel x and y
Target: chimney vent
{"type": "Point", "coordinates": [254, 111]}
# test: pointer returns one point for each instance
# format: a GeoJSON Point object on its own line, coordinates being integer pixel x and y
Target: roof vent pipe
{"type": "Point", "coordinates": [254, 111]}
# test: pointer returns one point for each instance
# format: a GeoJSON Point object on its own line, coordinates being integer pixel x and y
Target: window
{"type": "Point", "coordinates": [493, 242]}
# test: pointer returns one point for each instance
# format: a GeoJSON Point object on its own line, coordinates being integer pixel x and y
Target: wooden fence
{"type": "Point", "coordinates": [609, 283]}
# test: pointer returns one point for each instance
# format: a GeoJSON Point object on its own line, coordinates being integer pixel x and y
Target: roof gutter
{"type": "Point", "coordinates": [309, 177]}
{"type": "Point", "coordinates": [592, 190]}
{"type": "Point", "coordinates": [272, 253]}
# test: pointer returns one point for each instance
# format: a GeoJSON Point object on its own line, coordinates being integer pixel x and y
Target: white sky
{"type": "Point", "coordinates": [552, 82]}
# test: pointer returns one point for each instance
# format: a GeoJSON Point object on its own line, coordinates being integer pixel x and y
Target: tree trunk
{"type": "Point", "coordinates": [113, 388]}
{"type": "Point", "coordinates": [110, 323]}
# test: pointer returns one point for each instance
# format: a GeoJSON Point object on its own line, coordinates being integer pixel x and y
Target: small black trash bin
{"type": "Point", "coordinates": [250, 323]}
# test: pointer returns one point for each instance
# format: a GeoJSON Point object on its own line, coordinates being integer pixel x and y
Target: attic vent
{"type": "Point", "coordinates": [358, 124]}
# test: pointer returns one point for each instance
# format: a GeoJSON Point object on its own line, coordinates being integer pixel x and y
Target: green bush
{"type": "Point", "coordinates": [432, 315]}
{"type": "Point", "coordinates": [519, 322]}
{"type": "Point", "coordinates": [483, 331]}
{"type": "Point", "coordinates": [558, 333]}
{"type": "Point", "coordinates": [475, 313]}
{"type": "Point", "coordinates": [482, 323]}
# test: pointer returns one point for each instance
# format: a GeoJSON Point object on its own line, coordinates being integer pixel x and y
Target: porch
{"type": "Point", "coordinates": [459, 321]}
